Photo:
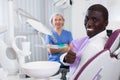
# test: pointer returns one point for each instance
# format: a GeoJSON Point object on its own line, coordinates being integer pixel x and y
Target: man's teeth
{"type": "Point", "coordinates": [90, 29]}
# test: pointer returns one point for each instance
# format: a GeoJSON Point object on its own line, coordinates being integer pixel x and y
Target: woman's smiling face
{"type": "Point", "coordinates": [57, 21]}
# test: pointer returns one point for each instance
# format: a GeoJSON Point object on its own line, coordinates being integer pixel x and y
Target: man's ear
{"type": "Point", "coordinates": [106, 23]}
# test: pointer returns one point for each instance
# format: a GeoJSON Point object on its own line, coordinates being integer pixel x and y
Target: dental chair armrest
{"type": "Point", "coordinates": [62, 59]}
{"type": "Point", "coordinates": [117, 53]}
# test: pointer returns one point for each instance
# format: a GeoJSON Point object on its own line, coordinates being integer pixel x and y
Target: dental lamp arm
{"type": "Point", "coordinates": [35, 23]}
{"type": "Point", "coordinates": [25, 14]}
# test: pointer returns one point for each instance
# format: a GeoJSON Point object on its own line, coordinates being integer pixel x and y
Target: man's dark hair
{"type": "Point", "coordinates": [100, 8]}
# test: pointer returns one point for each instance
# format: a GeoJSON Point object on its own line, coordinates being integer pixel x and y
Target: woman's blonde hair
{"type": "Point", "coordinates": [55, 14]}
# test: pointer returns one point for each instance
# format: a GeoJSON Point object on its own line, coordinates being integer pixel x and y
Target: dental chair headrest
{"type": "Point", "coordinates": [113, 42]}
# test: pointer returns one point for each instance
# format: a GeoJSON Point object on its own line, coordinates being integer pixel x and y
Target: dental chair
{"type": "Point", "coordinates": [104, 65]}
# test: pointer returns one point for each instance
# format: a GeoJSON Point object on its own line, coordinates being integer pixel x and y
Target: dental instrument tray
{"type": "Point", "coordinates": [60, 46]}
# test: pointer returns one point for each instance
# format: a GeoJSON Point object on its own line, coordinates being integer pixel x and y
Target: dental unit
{"type": "Point", "coordinates": [18, 66]}
{"type": "Point", "coordinates": [36, 69]}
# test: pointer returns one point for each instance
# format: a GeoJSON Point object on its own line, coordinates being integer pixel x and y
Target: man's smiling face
{"type": "Point", "coordinates": [94, 23]}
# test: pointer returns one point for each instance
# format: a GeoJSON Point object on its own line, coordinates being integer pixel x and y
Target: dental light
{"type": "Point", "coordinates": [62, 3]}
{"type": "Point", "coordinates": [39, 26]}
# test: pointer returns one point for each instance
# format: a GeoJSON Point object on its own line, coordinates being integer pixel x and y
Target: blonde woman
{"type": "Point", "coordinates": [61, 38]}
